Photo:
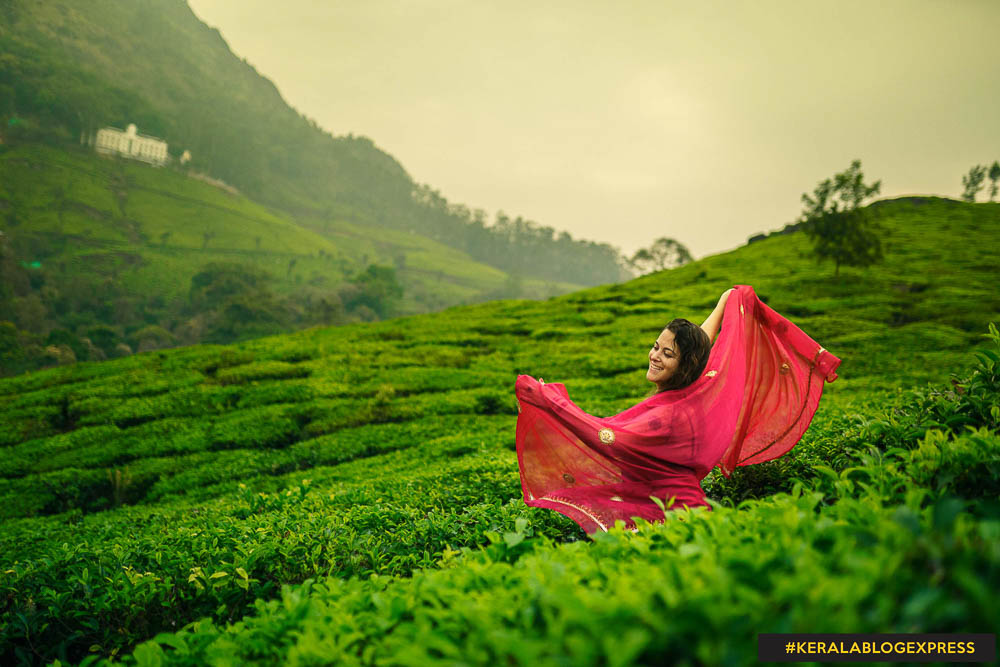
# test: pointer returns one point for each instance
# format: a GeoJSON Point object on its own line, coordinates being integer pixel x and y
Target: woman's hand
{"type": "Point", "coordinates": [714, 321]}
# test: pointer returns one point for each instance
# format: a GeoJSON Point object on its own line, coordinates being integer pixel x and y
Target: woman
{"type": "Point", "coordinates": [680, 353]}
{"type": "Point", "coordinates": [746, 399]}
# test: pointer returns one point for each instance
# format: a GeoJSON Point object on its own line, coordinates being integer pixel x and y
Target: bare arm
{"type": "Point", "coordinates": [711, 325]}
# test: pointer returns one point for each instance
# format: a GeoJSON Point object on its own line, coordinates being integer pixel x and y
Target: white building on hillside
{"type": "Point", "coordinates": [131, 144]}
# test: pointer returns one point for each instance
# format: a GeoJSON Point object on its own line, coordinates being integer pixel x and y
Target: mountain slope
{"type": "Point", "coordinates": [68, 69]}
{"type": "Point", "coordinates": [192, 482]}
{"type": "Point", "coordinates": [104, 242]}
{"type": "Point", "coordinates": [80, 202]}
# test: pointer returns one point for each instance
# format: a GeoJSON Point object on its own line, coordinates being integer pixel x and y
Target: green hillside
{"type": "Point", "coordinates": [352, 492]}
{"type": "Point", "coordinates": [68, 69]}
{"type": "Point", "coordinates": [86, 209]}
{"type": "Point", "coordinates": [117, 242]}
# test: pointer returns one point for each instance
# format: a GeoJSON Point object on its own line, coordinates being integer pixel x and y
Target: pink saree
{"type": "Point", "coordinates": [752, 403]}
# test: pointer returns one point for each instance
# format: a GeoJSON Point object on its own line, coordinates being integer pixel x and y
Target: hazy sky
{"type": "Point", "coordinates": [623, 122]}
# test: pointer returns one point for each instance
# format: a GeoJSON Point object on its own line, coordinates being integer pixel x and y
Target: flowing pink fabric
{"type": "Point", "coordinates": [752, 403]}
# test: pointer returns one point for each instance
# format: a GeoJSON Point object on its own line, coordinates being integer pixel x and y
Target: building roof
{"type": "Point", "coordinates": [131, 131]}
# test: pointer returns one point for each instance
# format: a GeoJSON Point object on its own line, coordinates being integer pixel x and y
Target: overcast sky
{"type": "Point", "coordinates": [623, 122]}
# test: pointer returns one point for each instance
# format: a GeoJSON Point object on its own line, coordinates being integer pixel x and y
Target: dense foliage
{"type": "Point", "coordinates": [145, 493]}
{"type": "Point", "coordinates": [67, 70]}
{"type": "Point", "coordinates": [883, 547]}
{"type": "Point", "coordinates": [664, 253]}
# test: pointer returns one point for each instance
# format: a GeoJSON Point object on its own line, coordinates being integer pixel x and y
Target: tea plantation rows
{"type": "Point", "coordinates": [354, 492]}
{"type": "Point", "coordinates": [894, 543]}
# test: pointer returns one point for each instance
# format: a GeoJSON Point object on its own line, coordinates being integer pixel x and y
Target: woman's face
{"type": "Point", "coordinates": [663, 359]}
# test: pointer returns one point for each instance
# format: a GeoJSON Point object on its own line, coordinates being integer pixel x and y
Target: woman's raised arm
{"type": "Point", "coordinates": [711, 325]}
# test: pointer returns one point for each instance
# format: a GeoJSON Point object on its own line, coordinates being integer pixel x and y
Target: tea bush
{"type": "Point", "coordinates": [142, 494]}
{"type": "Point", "coordinates": [695, 589]}
{"type": "Point", "coordinates": [285, 536]}
{"type": "Point", "coordinates": [367, 527]}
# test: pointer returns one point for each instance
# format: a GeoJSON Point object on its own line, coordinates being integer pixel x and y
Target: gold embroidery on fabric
{"type": "Point", "coordinates": [606, 435]}
{"type": "Point", "coordinates": [568, 477]}
{"type": "Point", "coordinates": [617, 499]}
{"type": "Point", "coordinates": [785, 368]}
{"type": "Point", "coordinates": [802, 408]}
{"type": "Point", "coordinates": [711, 374]}
{"type": "Point", "coordinates": [741, 309]}
{"type": "Point", "coordinates": [589, 514]}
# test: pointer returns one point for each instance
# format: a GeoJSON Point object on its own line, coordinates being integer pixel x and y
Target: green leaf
{"type": "Point", "coordinates": [827, 471]}
{"type": "Point", "coordinates": [513, 539]}
{"type": "Point", "coordinates": [170, 639]}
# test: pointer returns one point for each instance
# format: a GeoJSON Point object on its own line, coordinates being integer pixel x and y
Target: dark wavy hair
{"type": "Point", "coordinates": [693, 347]}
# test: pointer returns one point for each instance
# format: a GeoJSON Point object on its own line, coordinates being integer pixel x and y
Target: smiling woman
{"type": "Point", "coordinates": [747, 399]}
{"type": "Point", "coordinates": [681, 352]}
{"type": "Point", "coordinates": [677, 356]}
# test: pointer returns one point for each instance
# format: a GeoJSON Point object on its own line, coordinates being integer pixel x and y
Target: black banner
{"type": "Point", "coordinates": [826, 647]}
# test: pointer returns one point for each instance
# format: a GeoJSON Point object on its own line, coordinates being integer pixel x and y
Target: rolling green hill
{"type": "Point", "coordinates": [68, 69]}
{"type": "Point", "coordinates": [117, 242]}
{"type": "Point", "coordinates": [352, 492]}
{"type": "Point", "coordinates": [87, 211]}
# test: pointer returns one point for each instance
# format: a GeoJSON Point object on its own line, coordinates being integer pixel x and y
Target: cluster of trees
{"type": "Point", "coordinates": [230, 301]}
{"type": "Point", "coordinates": [665, 253]}
{"type": "Point", "coordinates": [973, 182]}
{"type": "Point", "coordinates": [515, 245]}
{"type": "Point", "coordinates": [47, 320]}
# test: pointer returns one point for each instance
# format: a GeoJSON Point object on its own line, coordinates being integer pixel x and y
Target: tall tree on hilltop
{"type": "Point", "coordinates": [663, 254]}
{"type": "Point", "coordinates": [837, 225]}
{"type": "Point", "coordinates": [973, 182]}
{"type": "Point", "coordinates": [994, 175]}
